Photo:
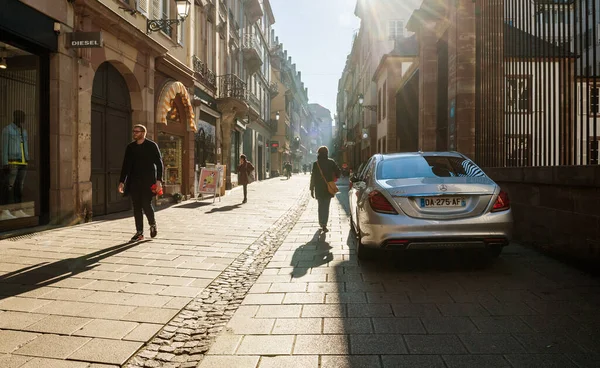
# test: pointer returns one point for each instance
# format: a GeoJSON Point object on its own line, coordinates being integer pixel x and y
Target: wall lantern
{"type": "Point", "coordinates": [361, 101]}
{"type": "Point", "coordinates": [183, 10]}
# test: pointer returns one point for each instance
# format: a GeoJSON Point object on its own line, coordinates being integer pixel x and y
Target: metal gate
{"type": "Point", "coordinates": [538, 63]}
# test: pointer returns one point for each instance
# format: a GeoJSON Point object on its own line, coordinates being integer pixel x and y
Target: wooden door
{"type": "Point", "coordinates": [111, 132]}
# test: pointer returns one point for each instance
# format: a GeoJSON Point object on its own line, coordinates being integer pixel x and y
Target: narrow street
{"type": "Point", "coordinates": [257, 285]}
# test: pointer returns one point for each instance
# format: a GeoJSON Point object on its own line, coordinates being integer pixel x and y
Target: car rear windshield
{"type": "Point", "coordinates": [427, 167]}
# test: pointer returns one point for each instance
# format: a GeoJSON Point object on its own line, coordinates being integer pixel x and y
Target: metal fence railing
{"type": "Point", "coordinates": [538, 82]}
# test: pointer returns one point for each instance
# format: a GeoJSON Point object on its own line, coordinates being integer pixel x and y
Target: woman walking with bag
{"type": "Point", "coordinates": [322, 184]}
{"type": "Point", "coordinates": [245, 176]}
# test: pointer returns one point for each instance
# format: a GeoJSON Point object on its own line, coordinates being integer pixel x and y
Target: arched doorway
{"type": "Point", "coordinates": [111, 132]}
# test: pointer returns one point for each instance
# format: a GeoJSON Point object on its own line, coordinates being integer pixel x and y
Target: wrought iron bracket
{"type": "Point", "coordinates": [153, 25]}
{"type": "Point", "coordinates": [370, 107]}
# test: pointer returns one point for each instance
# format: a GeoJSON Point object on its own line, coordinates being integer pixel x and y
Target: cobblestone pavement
{"type": "Point", "coordinates": [316, 305]}
{"type": "Point", "coordinates": [83, 297]}
{"type": "Point", "coordinates": [258, 286]}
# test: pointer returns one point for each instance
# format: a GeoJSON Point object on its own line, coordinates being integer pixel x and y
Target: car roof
{"type": "Point", "coordinates": [388, 156]}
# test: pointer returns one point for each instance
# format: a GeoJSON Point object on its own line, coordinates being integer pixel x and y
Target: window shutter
{"type": "Point", "coordinates": [142, 7]}
{"type": "Point", "coordinates": [156, 11]}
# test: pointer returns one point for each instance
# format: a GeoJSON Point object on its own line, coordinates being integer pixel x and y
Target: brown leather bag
{"type": "Point", "coordinates": [331, 187]}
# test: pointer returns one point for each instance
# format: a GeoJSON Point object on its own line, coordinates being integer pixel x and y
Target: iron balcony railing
{"type": "Point", "coordinates": [231, 86]}
{"type": "Point", "coordinates": [274, 88]}
{"type": "Point", "coordinates": [251, 41]}
{"type": "Point", "coordinates": [204, 74]}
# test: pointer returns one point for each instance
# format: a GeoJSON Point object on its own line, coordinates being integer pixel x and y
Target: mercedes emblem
{"type": "Point", "coordinates": [442, 187]}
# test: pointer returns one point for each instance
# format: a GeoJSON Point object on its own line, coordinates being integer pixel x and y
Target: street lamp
{"type": "Point", "coordinates": [361, 101]}
{"type": "Point", "coordinates": [183, 9]}
{"type": "Point", "coordinates": [277, 116]}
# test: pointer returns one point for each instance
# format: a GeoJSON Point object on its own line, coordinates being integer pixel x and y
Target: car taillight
{"type": "Point", "coordinates": [502, 202]}
{"type": "Point", "coordinates": [380, 204]}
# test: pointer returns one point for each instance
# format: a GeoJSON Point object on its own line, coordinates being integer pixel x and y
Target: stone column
{"type": "Point", "coordinates": [63, 135]}
{"type": "Point", "coordinates": [462, 76]}
{"type": "Point", "coordinates": [227, 123]}
{"type": "Point", "coordinates": [84, 136]}
{"type": "Point", "coordinates": [428, 81]}
{"type": "Point", "coordinates": [490, 124]}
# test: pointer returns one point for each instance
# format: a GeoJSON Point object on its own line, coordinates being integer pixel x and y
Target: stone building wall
{"type": "Point", "coordinates": [556, 209]}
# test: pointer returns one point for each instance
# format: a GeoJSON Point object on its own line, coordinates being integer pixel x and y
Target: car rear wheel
{"type": "Point", "coordinates": [362, 252]}
{"type": "Point", "coordinates": [494, 251]}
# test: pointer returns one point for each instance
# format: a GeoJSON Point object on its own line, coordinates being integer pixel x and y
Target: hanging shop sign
{"type": "Point", "coordinates": [79, 40]}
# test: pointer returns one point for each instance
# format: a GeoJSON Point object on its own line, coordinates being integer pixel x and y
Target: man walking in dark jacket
{"type": "Point", "coordinates": [142, 168]}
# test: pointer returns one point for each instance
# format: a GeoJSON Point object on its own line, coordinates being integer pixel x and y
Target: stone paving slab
{"type": "Point", "coordinates": [84, 296]}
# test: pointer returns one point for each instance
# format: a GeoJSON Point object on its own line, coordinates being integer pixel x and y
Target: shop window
{"type": "Point", "coordinates": [171, 149]}
{"type": "Point", "coordinates": [19, 142]}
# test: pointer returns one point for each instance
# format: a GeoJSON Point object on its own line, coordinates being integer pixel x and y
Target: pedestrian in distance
{"type": "Point", "coordinates": [323, 170]}
{"type": "Point", "coordinates": [244, 170]}
{"type": "Point", "coordinates": [141, 179]}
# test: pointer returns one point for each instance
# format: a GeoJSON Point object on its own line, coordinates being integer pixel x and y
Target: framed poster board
{"type": "Point", "coordinates": [208, 182]}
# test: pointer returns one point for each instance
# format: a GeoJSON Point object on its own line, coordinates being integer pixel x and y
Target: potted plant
{"type": "Point", "coordinates": [177, 197]}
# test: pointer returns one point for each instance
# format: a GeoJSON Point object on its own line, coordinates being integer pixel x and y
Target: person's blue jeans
{"type": "Point", "coordinates": [324, 210]}
{"type": "Point", "coordinates": [12, 186]}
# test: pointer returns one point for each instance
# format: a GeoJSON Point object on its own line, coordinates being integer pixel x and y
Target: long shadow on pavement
{"type": "Point", "coordinates": [315, 253]}
{"type": "Point", "coordinates": [43, 274]}
{"type": "Point", "coordinates": [193, 205]}
{"type": "Point", "coordinates": [224, 208]}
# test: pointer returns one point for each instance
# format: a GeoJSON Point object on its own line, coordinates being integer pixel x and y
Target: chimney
{"type": "Point", "coordinates": [300, 75]}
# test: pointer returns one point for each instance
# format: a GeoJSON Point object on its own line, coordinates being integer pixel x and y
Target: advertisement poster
{"type": "Point", "coordinates": [209, 179]}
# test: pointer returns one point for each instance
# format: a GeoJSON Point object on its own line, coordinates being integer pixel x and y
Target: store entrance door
{"type": "Point", "coordinates": [111, 132]}
{"type": "Point", "coordinates": [259, 168]}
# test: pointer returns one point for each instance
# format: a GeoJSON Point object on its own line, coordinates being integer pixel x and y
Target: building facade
{"type": "Point", "coordinates": [382, 22]}
{"type": "Point", "coordinates": [199, 82]}
{"type": "Point", "coordinates": [290, 141]}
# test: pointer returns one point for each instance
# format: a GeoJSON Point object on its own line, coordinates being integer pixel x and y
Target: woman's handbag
{"type": "Point", "coordinates": [250, 173]}
{"type": "Point", "coordinates": [331, 187]}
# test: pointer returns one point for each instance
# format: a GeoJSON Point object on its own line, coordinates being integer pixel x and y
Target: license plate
{"type": "Point", "coordinates": [430, 202]}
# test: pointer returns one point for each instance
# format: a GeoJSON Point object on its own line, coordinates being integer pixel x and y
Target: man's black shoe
{"type": "Point", "coordinates": [137, 237]}
{"type": "Point", "coordinates": [153, 231]}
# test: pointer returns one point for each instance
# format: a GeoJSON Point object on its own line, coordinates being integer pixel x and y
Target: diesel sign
{"type": "Point", "coordinates": [85, 39]}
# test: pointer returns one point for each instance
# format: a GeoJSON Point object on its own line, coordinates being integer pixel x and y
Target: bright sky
{"type": "Point", "coordinates": [318, 35]}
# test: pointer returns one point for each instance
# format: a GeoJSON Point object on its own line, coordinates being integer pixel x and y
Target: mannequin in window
{"type": "Point", "coordinates": [15, 155]}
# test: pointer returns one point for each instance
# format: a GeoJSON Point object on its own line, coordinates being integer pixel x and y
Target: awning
{"type": "Point", "coordinates": [165, 103]}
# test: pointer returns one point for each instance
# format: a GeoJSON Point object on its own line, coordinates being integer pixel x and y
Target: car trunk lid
{"type": "Point", "coordinates": [441, 198]}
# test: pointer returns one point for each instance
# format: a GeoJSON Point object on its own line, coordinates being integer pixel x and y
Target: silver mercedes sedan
{"type": "Point", "coordinates": [427, 200]}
